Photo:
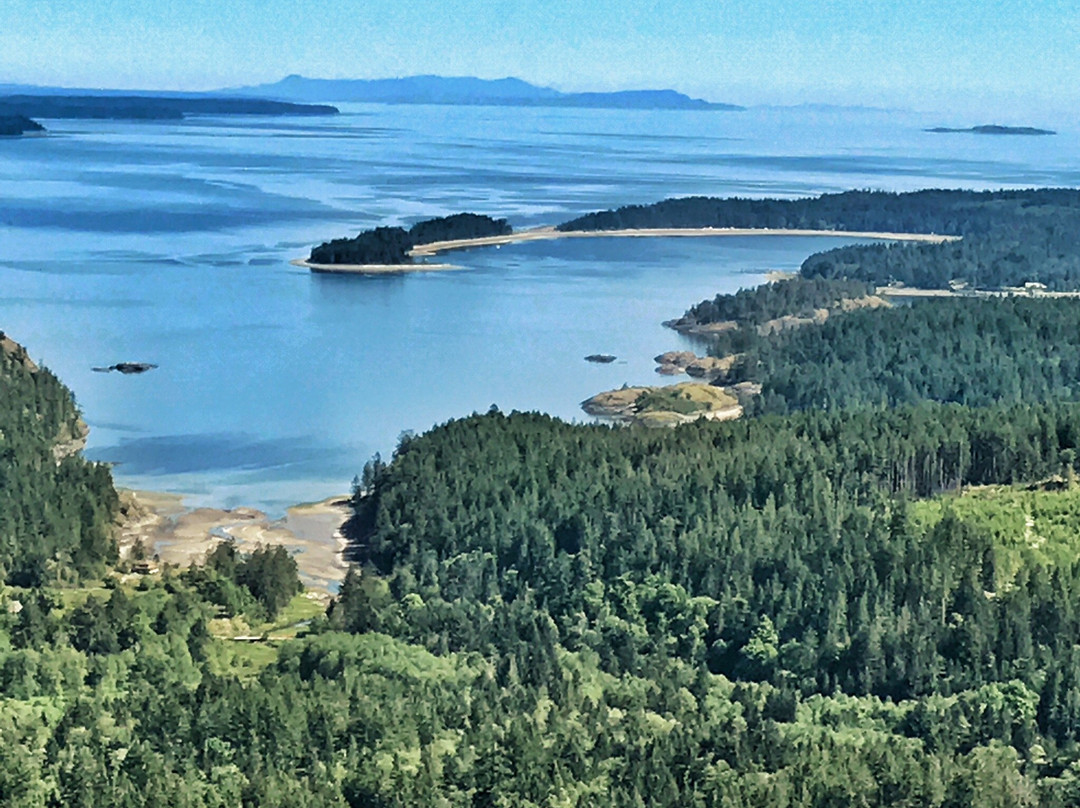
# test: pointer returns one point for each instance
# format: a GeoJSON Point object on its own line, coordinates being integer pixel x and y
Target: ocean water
{"type": "Point", "coordinates": [169, 243]}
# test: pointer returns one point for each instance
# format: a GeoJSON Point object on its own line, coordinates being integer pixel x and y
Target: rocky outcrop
{"type": "Point", "coordinates": [711, 367]}
{"type": "Point", "coordinates": [688, 325]}
{"type": "Point", "coordinates": [621, 403]}
{"type": "Point", "coordinates": [16, 352]}
{"type": "Point", "coordinates": [71, 439]}
{"type": "Point", "coordinates": [673, 363]}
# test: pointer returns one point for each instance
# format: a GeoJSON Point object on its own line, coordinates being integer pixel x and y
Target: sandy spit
{"type": "Point", "coordinates": [369, 269]}
{"type": "Point", "coordinates": [550, 234]}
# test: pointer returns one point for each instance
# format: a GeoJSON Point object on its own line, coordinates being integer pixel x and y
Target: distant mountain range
{"type": "Point", "coordinates": [286, 96]}
{"type": "Point", "coordinates": [466, 91]}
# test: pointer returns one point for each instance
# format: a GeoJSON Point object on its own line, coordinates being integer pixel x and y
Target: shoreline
{"type": "Point", "coordinates": [551, 234]}
{"type": "Point", "coordinates": [369, 269]}
{"type": "Point", "coordinates": [918, 292]}
{"type": "Point", "coordinates": [174, 533]}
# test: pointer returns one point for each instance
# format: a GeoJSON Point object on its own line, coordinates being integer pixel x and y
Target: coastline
{"type": "Point", "coordinates": [551, 234]}
{"type": "Point", "coordinates": [369, 269]}
{"type": "Point", "coordinates": [627, 405]}
{"type": "Point", "coordinates": [174, 533]}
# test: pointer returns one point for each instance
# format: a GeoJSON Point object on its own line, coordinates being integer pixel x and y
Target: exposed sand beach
{"type": "Point", "coordinates": [551, 234]}
{"type": "Point", "coordinates": [180, 535]}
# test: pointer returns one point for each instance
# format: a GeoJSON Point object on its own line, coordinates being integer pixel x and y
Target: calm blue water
{"type": "Point", "coordinates": [169, 243]}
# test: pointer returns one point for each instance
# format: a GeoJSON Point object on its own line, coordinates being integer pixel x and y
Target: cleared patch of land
{"type": "Point", "coordinates": [1026, 524]}
{"type": "Point", "coordinates": [550, 233]}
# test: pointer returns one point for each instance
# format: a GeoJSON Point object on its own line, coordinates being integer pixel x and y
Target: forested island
{"type": "Point", "coordinates": [390, 246]}
{"type": "Point", "coordinates": [992, 129]}
{"type": "Point", "coordinates": [148, 107]}
{"type": "Point", "coordinates": [13, 125]}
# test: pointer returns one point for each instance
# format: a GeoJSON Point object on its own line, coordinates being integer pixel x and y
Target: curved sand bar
{"type": "Point", "coordinates": [550, 234]}
{"type": "Point", "coordinates": [369, 269]}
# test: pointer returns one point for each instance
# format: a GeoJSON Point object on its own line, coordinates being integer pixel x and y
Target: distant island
{"type": "Point", "coordinates": [992, 129]}
{"type": "Point", "coordinates": [468, 91]}
{"type": "Point", "coordinates": [383, 249]}
{"type": "Point", "coordinates": [145, 107]}
{"type": "Point", "coordinates": [14, 125]}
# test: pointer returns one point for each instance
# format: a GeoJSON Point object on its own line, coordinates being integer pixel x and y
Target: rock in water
{"type": "Point", "coordinates": [127, 367]}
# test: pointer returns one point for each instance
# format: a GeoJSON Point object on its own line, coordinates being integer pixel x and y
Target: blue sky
{"type": "Point", "coordinates": [935, 55]}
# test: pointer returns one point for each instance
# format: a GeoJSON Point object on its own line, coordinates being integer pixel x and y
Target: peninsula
{"type": "Point", "coordinates": [145, 107]}
{"type": "Point", "coordinates": [890, 218]}
{"type": "Point", "coordinates": [1006, 235]}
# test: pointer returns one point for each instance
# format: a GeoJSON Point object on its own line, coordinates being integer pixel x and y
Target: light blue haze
{"type": "Point", "coordinates": [1001, 58]}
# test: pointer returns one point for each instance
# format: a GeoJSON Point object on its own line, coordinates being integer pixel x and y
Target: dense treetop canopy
{"type": "Point", "coordinates": [1008, 237]}
{"type": "Point", "coordinates": [391, 245]}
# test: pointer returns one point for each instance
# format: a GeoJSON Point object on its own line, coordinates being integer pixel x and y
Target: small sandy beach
{"type": "Point", "coordinates": [180, 535]}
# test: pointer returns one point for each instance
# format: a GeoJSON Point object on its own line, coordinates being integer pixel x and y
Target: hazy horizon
{"type": "Point", "coordinates": [999, 59]}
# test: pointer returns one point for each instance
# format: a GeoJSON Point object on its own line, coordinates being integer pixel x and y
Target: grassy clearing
{"type": "Point", "coordinates": [1028, 525]}
{"type": "Point", "coordinates": [687, 398]}
{"type": "Point", "coordinates": [287, 625]}
{"type": "Point", "coordinates": [249, 656]}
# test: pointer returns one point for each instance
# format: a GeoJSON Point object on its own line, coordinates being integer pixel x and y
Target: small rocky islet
{"type": "Point", "coordinates": [127, 368]}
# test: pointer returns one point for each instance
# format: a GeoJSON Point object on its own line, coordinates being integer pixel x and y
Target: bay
{"type": "Point", "coordinates": [169, 243]}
